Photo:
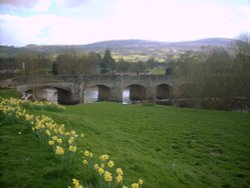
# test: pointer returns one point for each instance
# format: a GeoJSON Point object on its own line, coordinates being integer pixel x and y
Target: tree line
{"type": "Point", "coordinates": [215, 80]}
{"type": "Point", "coordinates": [72, 62]}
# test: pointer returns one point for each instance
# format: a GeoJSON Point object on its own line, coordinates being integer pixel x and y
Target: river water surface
{"type": "Point", "coordinates": [90, 95]}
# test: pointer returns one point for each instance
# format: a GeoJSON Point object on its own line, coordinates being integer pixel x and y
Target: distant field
{"type": "Point", "coordinates": [165, 146]}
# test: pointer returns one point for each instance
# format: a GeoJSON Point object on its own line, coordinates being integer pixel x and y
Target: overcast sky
{"type": "Point", "coordinates": [25, 22]}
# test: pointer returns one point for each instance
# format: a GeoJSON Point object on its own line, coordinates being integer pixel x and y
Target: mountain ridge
{"type": "Point", "coordinates": [128, 47]}
{"type": "Point", "coordinates": [206, 41]}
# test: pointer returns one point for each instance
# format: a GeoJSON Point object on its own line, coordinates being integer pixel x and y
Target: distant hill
{"type": "Point", "coordinates": [116, 44]}
{"type": "Point", "coordinates": [128, 47]}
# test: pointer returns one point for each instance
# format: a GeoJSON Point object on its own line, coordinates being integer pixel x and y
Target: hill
{"type": "Point", "coordinates": [128, 47]}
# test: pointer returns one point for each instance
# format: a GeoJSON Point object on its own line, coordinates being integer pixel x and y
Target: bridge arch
{"type": "Point", "coordinates": [99, 92]}
{"type": "Point", "coordinates": [64, 93]}
{"type": "Point", "coordinates": [137, 92]}
{"type": "Point", "coordinates": [104, 93]}
{"type": "Point", "coordinates": [163, 91]}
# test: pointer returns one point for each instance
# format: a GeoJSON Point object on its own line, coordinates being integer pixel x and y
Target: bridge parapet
{"type": "Point", "coordinates": [45, 79]}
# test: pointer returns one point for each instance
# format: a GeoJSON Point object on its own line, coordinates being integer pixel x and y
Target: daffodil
{"type": "Point", "coordinates": [100, 171]}
{"type": "Point", "coordinates": [119, 171]}
{"type": "Point", "coordinates": [134, 185]}
{"type": "Point", "coordinates": [119, 179]}
{"type": "Point", "coordinates": [47, 132]}
{"type": "Point", "coordinates": [76, 183]}
{"type": "Point", "coordinates": [59, 140]}
{"type": "Point", "coordinates": [71, 140]}
{"type": "Point", "coordinates": [59, 150]}
{"type": "Point", "coordinates": [96, 167]}
{"type": "Point", "coordinates": [111, 164]}
{"type": "Point", "coordinates": [104, 157]}
{"type": "Point", "coordinates": [108, 176]}
{"type": "Point", "coordinates": [86, 153]}
{"type": "Point", "coordinates": [85, 162]}
{"type": "Point", "coordinates": [140, 181]}
{"type": "Point", "coordinates": [51, 142]}
{"type": "Point", "coordinates": [72, 148]}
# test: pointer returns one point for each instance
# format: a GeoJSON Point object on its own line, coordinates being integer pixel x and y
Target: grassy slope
{"type": "Point", "coordinates": [169, 146]}
{"type": "Point", "coordinates": [25, 161]}
{"type": "Point", "coordinates": [166, 146]}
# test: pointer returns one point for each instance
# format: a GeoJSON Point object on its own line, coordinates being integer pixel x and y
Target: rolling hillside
{"type": "Point", "coordinates": [127, 47]}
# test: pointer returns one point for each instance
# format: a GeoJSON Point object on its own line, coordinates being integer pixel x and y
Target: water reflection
{"type": "Point", "coordinates": [48, 94]}
{"type": "Point", "coordinates": [125, 97]}
{"type": "Point", "coordinates": [90, 95]}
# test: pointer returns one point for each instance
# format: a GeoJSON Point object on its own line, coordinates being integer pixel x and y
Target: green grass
{"type": "Point", "coordinates": [165, 146]}
{"type": "Point", "coordinates": [7, 93]}
{"type": "Point", "coordinates": [25, 161]}
{"type": "Point", "coordinates": [158, 71]}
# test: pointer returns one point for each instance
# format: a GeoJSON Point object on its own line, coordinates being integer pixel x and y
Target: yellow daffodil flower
{"type": "Point", "coordinates": [59, 150]}
{"type": "Point", "coordinates": [119, 171]}
{"type": "Point", "coordinates": [85, 162]}
{"type": "Point", "coordinates": [104, 157]}
{"type": "Point", "coordinates": [108, 176]}
{"type": "Point", "coordinates": [51, 142]}
{"type": "Point", "coordinates": [140, 181]}
{"type": "Point", "coordinates": [134, 185]}
{"type": "Point", "coordinates": [111, 164]}
{"type": "Point", "coordinates": [118, 179]}
{"type": "Point", "coordinates": [100, 171]}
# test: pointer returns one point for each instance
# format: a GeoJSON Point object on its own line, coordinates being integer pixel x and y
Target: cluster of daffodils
{"type": "Point", "coordinates": [12, 107]}
{"type": "Point", "coordinates": [64, 144]}
{"type": "Point", "coordinates": [112, 175]}
{"type": "Point", "coordinates": [45, 103]}
{"type": "Point", "coordinates": [42, 105]}
{"type": "Point", "coordinates": [61, 140]}
{"type": "Point", "coordinates": [76, 184]}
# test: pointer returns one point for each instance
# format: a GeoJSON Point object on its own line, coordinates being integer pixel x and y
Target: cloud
{"type": "Point", "coordinates": [45, 29]}
{"type": "Point", "coordinates": [34, 5]}
{"type": "Point", "coordinates": [19, 3]}
{"type": "Point", "coordinates": [86, 21]}
{"type": "Point", "coordinates": [245, 10]}
{"type": "Point", "coordinates": [75, 3]}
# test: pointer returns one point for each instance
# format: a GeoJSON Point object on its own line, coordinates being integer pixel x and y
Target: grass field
{"type": "Point", "coordinates": [165, 146]}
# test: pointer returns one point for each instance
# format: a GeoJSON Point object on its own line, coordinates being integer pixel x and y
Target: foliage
{"type": "Point", "coordinates": [71, 62]}
{"type": "Point", "coordinates": [107, 63]}
{"type": "Point", "coordinates": [217, 79]}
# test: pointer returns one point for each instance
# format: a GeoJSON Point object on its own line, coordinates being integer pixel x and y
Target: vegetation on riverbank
{"type": "Point", "coordinates": [165, 146]}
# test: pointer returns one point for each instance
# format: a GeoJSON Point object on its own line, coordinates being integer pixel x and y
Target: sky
{"type": "Point", "coordinates": [43, 22]}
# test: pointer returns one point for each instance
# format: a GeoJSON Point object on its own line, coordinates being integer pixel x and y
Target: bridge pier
{"type": "Point", "coordinates": [150, 93]}
{"type": "Point", "coordinates": [116, 94]}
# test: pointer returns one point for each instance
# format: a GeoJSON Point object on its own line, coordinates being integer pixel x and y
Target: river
{"type": "Point", "coordinates": [90, 95]}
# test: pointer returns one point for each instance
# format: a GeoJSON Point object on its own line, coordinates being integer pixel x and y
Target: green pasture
{"type": "Point", "coordinates": [165, 146]}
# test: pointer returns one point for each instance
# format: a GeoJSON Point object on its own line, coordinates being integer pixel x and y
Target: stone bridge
{"type": "Point", "coordinates": [72, 88]}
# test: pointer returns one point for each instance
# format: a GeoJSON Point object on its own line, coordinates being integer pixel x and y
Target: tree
{"type": "Point", "coordinates": [54, 69]}
{"type": "Point", "coordinates": [107, 63]}
{"type": "Point", "coordinates": [122, 65]}
{"type": "Point", "coordinates": [71, 62]}
{"type": "Point", "coordinates": [241, 67]}
{"type": "Point", "coordinates": [27, 63]}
